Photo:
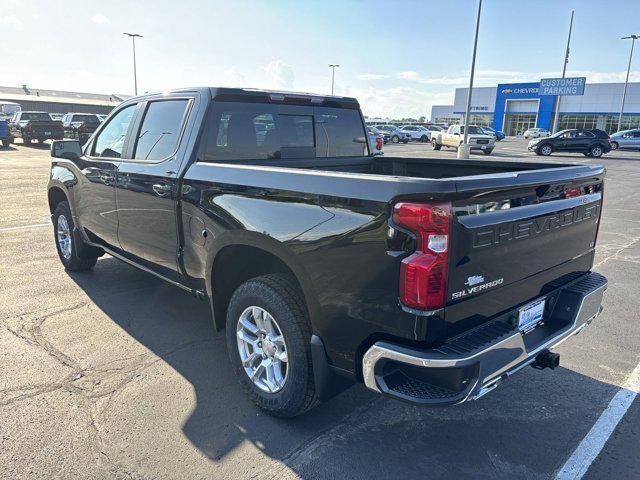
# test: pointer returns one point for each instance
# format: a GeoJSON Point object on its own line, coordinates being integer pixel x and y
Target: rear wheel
{"type": "Point", "coordinates": [596, 151]}
{"type": "Point", "coordinates": [435, 145]}
{"type": "Point", "coordinates": [26, 139]}
{"type": "Point", "coordinates": [6, 142]}
{"type": "Point", "coordinates": [614, 145]}
{"type": "Point", "coordinates": [424, 138]}
{"type": "Point", "coordinates": [395, 139]}
{"type": "Point", "coordinates": [68, 250]}
{"type": "Point", "coordinates": [545, 150]}
{"type": "Point", "coordinates": [268, 340]}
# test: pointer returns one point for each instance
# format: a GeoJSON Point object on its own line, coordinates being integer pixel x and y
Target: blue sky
{"type": "Point", "coordinates": [397, 57]}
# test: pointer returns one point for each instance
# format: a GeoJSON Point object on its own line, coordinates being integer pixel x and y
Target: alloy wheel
{"type": "Point", "coordinates": [63, 234]}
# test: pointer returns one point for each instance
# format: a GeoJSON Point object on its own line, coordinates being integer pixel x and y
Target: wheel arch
{"type": "Point", "coordinates": [55, 195]}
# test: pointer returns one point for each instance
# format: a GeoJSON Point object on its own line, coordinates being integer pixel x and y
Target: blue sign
{"type": "Point", "coordinates": [562, 86]}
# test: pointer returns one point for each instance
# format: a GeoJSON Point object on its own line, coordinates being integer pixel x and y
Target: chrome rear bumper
{"type": "Point", "coordinates": [472, 364]}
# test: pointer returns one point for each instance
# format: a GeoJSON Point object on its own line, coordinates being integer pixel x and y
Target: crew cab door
{"type": "Point", "coordinates": [95, 203]}
{"type": "Point", "coordinates": [146, 190]}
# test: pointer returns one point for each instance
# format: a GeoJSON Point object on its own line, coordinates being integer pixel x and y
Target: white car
{"type": "Point", "coordinates": [536, 133]}
{"type": "Point", "coordinates": [417, 132]}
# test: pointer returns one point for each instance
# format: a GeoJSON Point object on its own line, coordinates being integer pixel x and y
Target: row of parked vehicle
{"type": "Point", "coordinates": [41, 126]}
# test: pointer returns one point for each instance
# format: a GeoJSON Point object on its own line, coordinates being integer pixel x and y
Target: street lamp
{"type": "Point", "coordinates": [624, 93]}
{"type": "Point", "coordinates": [463, 150]}
{"type": "Point", "coordinates": [558, 98]}
{"type": "Point", "coordinates": [135, 76]}
{"type": "Point", "coordinates": [333, 75]}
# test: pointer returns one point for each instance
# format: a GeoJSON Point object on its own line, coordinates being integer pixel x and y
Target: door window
{"type": "Point", "coordinates": [110, 142]}
{"type": "Point", "coordinates": [160, 131]}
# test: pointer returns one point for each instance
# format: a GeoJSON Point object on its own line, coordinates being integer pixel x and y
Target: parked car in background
{"type": "Point", "coordinates": [477, 139]}
{"type": "Point", "coordinates": [498, 134]}
{"type": "Point", "coordinates": [395, 134]}
{"type": "Point", "coordinates": [592, 143]}
{"type": "Point", "coordinates": [101, 117]}
{"type": "Point", "coordinates": [383, 133]}
{"type": "Point", "coordinates": [626, 139]}
{"type": "Point", "coordinates": [429, 281]}
{"type": "Point", "coordinates": [535, 133]}
{"type": "Point", "coordinates": [417, 132]}
{"type": "Point", "coordinates": [56, 116]}
{"type": "Point", "coordinates": [4, 133]}
{"type": "Point", "coordinates": [34, 126]}
{"type": "Point", "coordinates": [80, 125]}
{"type": "Point", "coordinates": [8, 110]}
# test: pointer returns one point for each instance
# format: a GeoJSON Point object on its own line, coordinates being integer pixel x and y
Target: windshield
{"type": "Point", "coordinates": [473, 130]}
{"type": "Point", "coordinates": [9, 108]}
{"type": "Point", "coordinates": [40, 117]}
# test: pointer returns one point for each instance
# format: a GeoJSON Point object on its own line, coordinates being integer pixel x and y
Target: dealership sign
{"type": "Point", "coordinates": [562, 86]}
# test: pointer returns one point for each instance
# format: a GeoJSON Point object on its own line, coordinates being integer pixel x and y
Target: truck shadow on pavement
{"type": "Point", "coordinates": [526, 428]}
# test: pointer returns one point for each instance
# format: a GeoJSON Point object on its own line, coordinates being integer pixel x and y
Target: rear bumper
{"type": "Point", "coordinates": [474, 363]}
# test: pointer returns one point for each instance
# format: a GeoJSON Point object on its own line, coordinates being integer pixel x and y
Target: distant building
{"type": "Point", "coordinates": [56, 101]}
{"type": "Point", "coordinates": [444, 114]}
{"type": "Point", "coordinates": [516, 107]}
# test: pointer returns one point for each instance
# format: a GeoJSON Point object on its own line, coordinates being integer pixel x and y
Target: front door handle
{"type": "Point", "coordinates": [162, 189]}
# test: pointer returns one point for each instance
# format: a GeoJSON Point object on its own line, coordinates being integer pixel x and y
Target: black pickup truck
{"type": "Point", "coordinates": [430, 280]}
{"type": "Point", "coordinates": [34, 126]}
{"type": "Point", "coordinates": [80, 125]}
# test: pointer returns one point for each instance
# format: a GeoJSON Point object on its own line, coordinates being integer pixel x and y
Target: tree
{"type": "Point", "coordinates": [421, 119]}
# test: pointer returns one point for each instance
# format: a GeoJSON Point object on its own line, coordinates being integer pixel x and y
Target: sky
{"type": "Point", "coordinates": [398, 58]}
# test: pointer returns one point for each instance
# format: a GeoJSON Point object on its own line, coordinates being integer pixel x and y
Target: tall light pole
{"type": "Point", "coordinates": [564, 71]}
{"type": "Point", "coordinates": [333, 75]}
{"type": "Point", "coordinates": [626, 82]}
{"type": "Point", "coordinates": [463, 150]}
{"type": "Point", "coordinates": [135, 75]}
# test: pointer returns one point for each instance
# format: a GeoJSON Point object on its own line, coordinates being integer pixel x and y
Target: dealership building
{"type": "Point", "coordinates": [516, 107]}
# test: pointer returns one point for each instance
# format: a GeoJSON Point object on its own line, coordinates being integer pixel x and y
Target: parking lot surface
{"type": "Point", "coordinates": [114, 374]}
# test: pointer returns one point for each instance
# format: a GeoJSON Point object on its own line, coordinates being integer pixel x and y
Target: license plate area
{"type": "Point", "coordinates": [47, 133]}
{"type": "Point", "coordinates": [531, 315]}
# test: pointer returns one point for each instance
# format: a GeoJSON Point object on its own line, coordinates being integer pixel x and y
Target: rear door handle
{"type": "Point", "coordinates": [162, 189]}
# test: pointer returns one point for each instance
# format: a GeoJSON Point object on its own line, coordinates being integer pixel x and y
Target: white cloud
{"type": "Point", "coordinates": [11, 21]}
{"type": "Point", "coordinates": [281, 74]}
{"type": "Point", "coordinates": [371, 76]}
{"type": "Point", "coordinates": [399, 102]}
{"type": "Point", "coordinates": [235, 77]}
{"type": "Point", "coordinates": [409, 75]}
{"type": "Point", "coordinates": [99, 18]}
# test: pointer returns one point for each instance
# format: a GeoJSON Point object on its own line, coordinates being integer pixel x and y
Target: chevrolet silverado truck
{"type": "Point", "coordinates": [429, 280]}
{"type": "Point", "coordinates": [34, 126]}
{"type": "Point", "coordinates": [454, 136]}
{"type": "Point", "coordinates": [79, 125]}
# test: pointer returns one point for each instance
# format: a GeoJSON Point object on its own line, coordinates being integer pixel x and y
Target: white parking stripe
{"type": "Point", "coordinates": [584, 455]}
{"type": "Point", "coordinates": [35, 225]}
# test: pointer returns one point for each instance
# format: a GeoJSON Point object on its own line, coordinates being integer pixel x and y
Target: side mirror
{"type": "Point", "coordinates": [67, 149]}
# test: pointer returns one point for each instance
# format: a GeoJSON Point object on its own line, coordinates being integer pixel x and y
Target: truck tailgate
{"type": "Point", "coordinates": [512, 245]}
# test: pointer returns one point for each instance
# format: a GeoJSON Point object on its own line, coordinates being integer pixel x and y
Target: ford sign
{"type": "Point", "coordinates": [562, 86]}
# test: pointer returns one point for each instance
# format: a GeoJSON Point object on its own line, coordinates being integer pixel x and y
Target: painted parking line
{"type": "Point", "coordinates": [584, 455]}
{"type": "Point", "coordinates": [35, 225]}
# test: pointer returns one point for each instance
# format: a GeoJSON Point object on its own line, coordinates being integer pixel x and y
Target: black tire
{"type": "Point", "coordinates": [435, 145]}
{"type": "Point", "coordinates": [41, 140]}
{"type": "Point", "coordinates": [544, 150]}
{"type": "Point", "coordinates": [424, 139]}
{"type": "Point", "coordinates": [586, 154]}
{"type": "Point", "coordinates": [395, 139]}
{"type": "Point", "coordinates": [6, 142]}
{"type": "Point", "coordinates": [596, 151]}
{"type": "Point", "coordinates": [405, 141]}
{"type": "Point", "coordinates": [614, 145]}
{"type": "Point", "coordinates": [72, 261]}
{"type": "Point", "coordinates": [487, 151]}
{"type": "Point", "coordinates": [26, 139]}
{"type": "Point", "coordinates": [280, 296]}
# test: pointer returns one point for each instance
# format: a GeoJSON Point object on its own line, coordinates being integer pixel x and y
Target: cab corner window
{"type": "Point", "coordinates": [110, 141]}
{"type": "Point", "coordinates": [160, 131]}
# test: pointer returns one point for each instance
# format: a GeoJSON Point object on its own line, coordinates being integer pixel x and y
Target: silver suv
{"type": "Point", "coordinates": [626, 139]}
{"type": "Point", "coordinates": [395, 134]}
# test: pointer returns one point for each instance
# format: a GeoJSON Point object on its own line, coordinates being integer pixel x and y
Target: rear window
{"type": "Point", "coordinates": [85, 118]}
{"type": "Point", "coordinates": [39, 117]}
{"type": "Point", "coordinates": [255, 131]}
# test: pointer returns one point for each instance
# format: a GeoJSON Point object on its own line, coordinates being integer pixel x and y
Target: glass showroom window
{"type": "Point", "coordinates": [628, 122]}
{"type": "Point", "coordinates": [484, 120]}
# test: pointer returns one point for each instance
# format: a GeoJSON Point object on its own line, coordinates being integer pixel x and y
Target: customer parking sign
{"type": "Point", "coordinates": [562, 86]}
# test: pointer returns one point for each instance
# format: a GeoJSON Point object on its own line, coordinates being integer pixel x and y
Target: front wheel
{"type": "Point", "coordinates": [6, 142]}
{"type": "Point", "coordinates": [435, 145]}
{"type": "Point", "coordinates": [487, 151]}
{"type": "Point", "coordinates": [68, 250]}
{"type": "Point", "coordinates": [395, 139]}
{"type": "Point", "coordinates": [614, 145]}
{"type": "Point", "coordinates": [268, 340]}
{"type": "Point", "coordinates": [596, 151]}
{"type": "Point", "coordinates": [545, 150]}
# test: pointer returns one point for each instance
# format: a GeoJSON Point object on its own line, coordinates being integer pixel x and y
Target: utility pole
{"type": "Point", "coordinates": [626, 81]}
{"type": "Point", "coordinates": [333, 75]}
{"type": "Point", "coordinates": [564, 71]}
{"type": "Point", "coordinates": [135, 75]}
{"type": "Point", "coordinates": [463, 150]}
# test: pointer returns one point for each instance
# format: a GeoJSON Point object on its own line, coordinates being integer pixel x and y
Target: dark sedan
{"type": "Point", "coordinates": [592, 143]}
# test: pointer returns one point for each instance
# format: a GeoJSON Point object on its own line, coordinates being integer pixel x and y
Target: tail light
{"type": "Point", "coordinates": [423, 275]}
{"type": "Point", "coordinates": [572, 192]}
{"type": "Point", "coordinates": [379, 143]}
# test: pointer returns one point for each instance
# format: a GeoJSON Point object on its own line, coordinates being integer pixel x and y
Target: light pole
{"type": "Point", "coordinates": [463, 150]}
{"type": "Point", "coordinates": [626, 81]}
{"type": "Point", "coordinates": [564, 71]}
{"type": "Point", "coordinates": [333, 75]}
{"type": "Point", "coordinates": [135, 75]}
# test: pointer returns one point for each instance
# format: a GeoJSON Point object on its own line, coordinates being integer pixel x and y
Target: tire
{"type": "Point", "coordinates": [395, 139]}
{"type": "Point", "coordinates": [41, 140]}
{"type": "Point", "coordinates": [586, 154]}
{"type": "Point", "coordinates": [614, 145]}
{"type": "Point", "coordinates": [424, 139]}
{"type": "Point", "coordinates": [435, 145]}
{"type": "Point", "coordinates": [26, 139]}
{"type": "Point", "coordinates": [405, 141]}
{"type": "Point", "coordinates": [596, 151]}
{"type": "Point", "coordinates": [6, 142]}
{"type": "Point", "coordinates": [487, 151]}
{"type": "Point", "coordinates": [280, 297]}
{"type": "Point", "coordinates": [545, 150]}
{"type": "Point", "coordinates": [69, 253]}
